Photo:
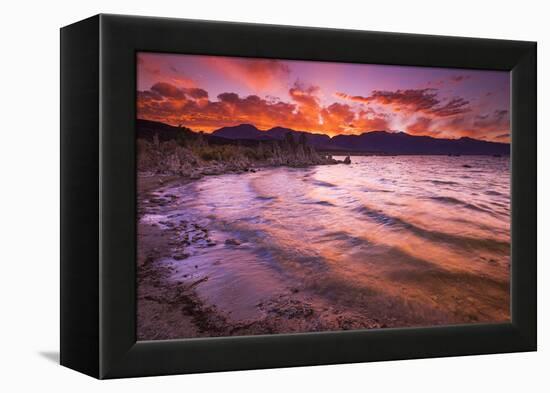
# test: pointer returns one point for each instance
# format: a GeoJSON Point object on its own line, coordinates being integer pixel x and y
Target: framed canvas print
{"type": "Point", "coordinates": [238, 196]}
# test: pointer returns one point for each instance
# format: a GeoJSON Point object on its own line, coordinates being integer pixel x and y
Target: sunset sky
{"type": "Point", "coordinates": [205, 93]}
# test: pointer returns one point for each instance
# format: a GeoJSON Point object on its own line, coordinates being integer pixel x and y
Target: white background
{"type": "Point", "coordinates": [29, 200]}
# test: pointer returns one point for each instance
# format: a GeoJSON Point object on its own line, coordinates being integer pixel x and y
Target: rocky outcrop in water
{"type": "Point", "coordinates": [195, 157]}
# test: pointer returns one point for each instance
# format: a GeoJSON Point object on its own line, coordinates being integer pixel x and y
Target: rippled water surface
{"type": "Point", "coordinates": [407, 240]}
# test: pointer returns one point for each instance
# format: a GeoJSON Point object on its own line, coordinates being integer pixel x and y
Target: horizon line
{"type": "Point", "coordinates": [318, 133]}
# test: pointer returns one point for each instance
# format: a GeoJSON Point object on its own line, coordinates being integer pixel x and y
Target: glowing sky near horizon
{"type": "Point", "coordinates": [209, 92]}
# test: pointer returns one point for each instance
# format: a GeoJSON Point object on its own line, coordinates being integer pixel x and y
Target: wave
{"type": "Point", "coordinates": [346, 237]}
{"type": "Point", "coordinates": [445, 278]}
{"type": "Point", "coordinates": [322, 183]}
{"type": "Point", "coordinates": [444, 182]}
{"type": "Point", "coordinates": [266, 198]}
{"type": "Point", "coordinates": [454, 201]}
{"type": "Point", "coordinates": [450, 200]}
{"type": "Point", "coordinates": [370, 189]}
{"type": "Point", "coordinates": [321, 203]}
{"type": "Point", "coordinates": [458, 241]}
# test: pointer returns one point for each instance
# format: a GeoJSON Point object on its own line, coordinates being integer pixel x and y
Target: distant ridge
{"type": "Point", "coordinates": [381, 142]}
{"type": "Point", "coordinates": [403, 143]}
{"type": "Point", "coordinates": [248, 131]}
{"type": "Point", "coordinates": [242, 131]}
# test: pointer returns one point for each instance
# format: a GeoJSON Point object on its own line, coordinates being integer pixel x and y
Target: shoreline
{"type": "Point", "coordinates": [171, 309]}
{"type": "Point", "coordinates": [174, 305]}
{"type": "Point", "coordinates": [194, 157]}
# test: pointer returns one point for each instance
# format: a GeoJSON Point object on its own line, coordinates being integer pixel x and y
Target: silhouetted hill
{"type": "Point", "coordinates": [374, 142]}
{"type": "Point", "coordinates": [246, 134]}
{"type": "Point", "coordinates": [319, 141]}
{"type": "Point", "coordinates": [146, 129]}
{"type": "Point", "coordinates": [248, 131]}
{"type": "Point", "coordinates": [382, 142]}
{"type": "Point", "coordinates": [242, 131]}
{"type": "Point", "coordinates": [403, 143]}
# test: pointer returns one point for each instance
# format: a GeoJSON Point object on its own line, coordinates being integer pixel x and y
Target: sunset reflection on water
{"type": "Point", "coordinates": [408, 240]}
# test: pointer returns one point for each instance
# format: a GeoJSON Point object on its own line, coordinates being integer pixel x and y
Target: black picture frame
{"type": "Point", "coordinates": [98, 196]}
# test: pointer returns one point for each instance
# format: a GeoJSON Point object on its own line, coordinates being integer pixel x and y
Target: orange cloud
{"type": "Point", "coordinates": [308, 104]}
{"type": "Point", "coordinates": [413, 101]}
{"type": "Point", "coordinates": [257, 74]}
{"type": "Point", "coordinates": [192, 107]}
{"type": "Point", "coordinates": [421, 126]}
{"type": "Point", "coordinates": [339, 118]}
{"type": "Point", "coordinates": [489, 126]}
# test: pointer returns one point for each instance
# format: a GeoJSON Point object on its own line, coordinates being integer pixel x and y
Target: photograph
{"type": "Point", "coordinates": [240, 196]}
{"type": "Point", "coordinates": [291, 196]}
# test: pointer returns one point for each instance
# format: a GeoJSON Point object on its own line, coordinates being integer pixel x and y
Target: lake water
{"type": "Point", "coordinates": [406, 240]}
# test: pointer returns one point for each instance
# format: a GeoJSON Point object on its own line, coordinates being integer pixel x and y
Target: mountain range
{"type": "Point", "coordinates": [381, 142]}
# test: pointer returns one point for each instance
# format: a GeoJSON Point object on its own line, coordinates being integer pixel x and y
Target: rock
{"type": "Point", "coordinates": [291, 309]}
{"type": "Point", "coordinates": [211, 171]}
{"type": "Point", "coordinates": [466, 166]}
{"type": "Point", "coordinates": [187, 160]}
{"type": "Point", "coordinates": [195, 176]}
{"type": "Point", "coordinates": [347, 160]}
{"type": "Point", "coordinates": [210, 243]}
{"type": "Point", "coordinates": [232, 242]}
{"type": "Point", "coordinates": [179, 257]}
